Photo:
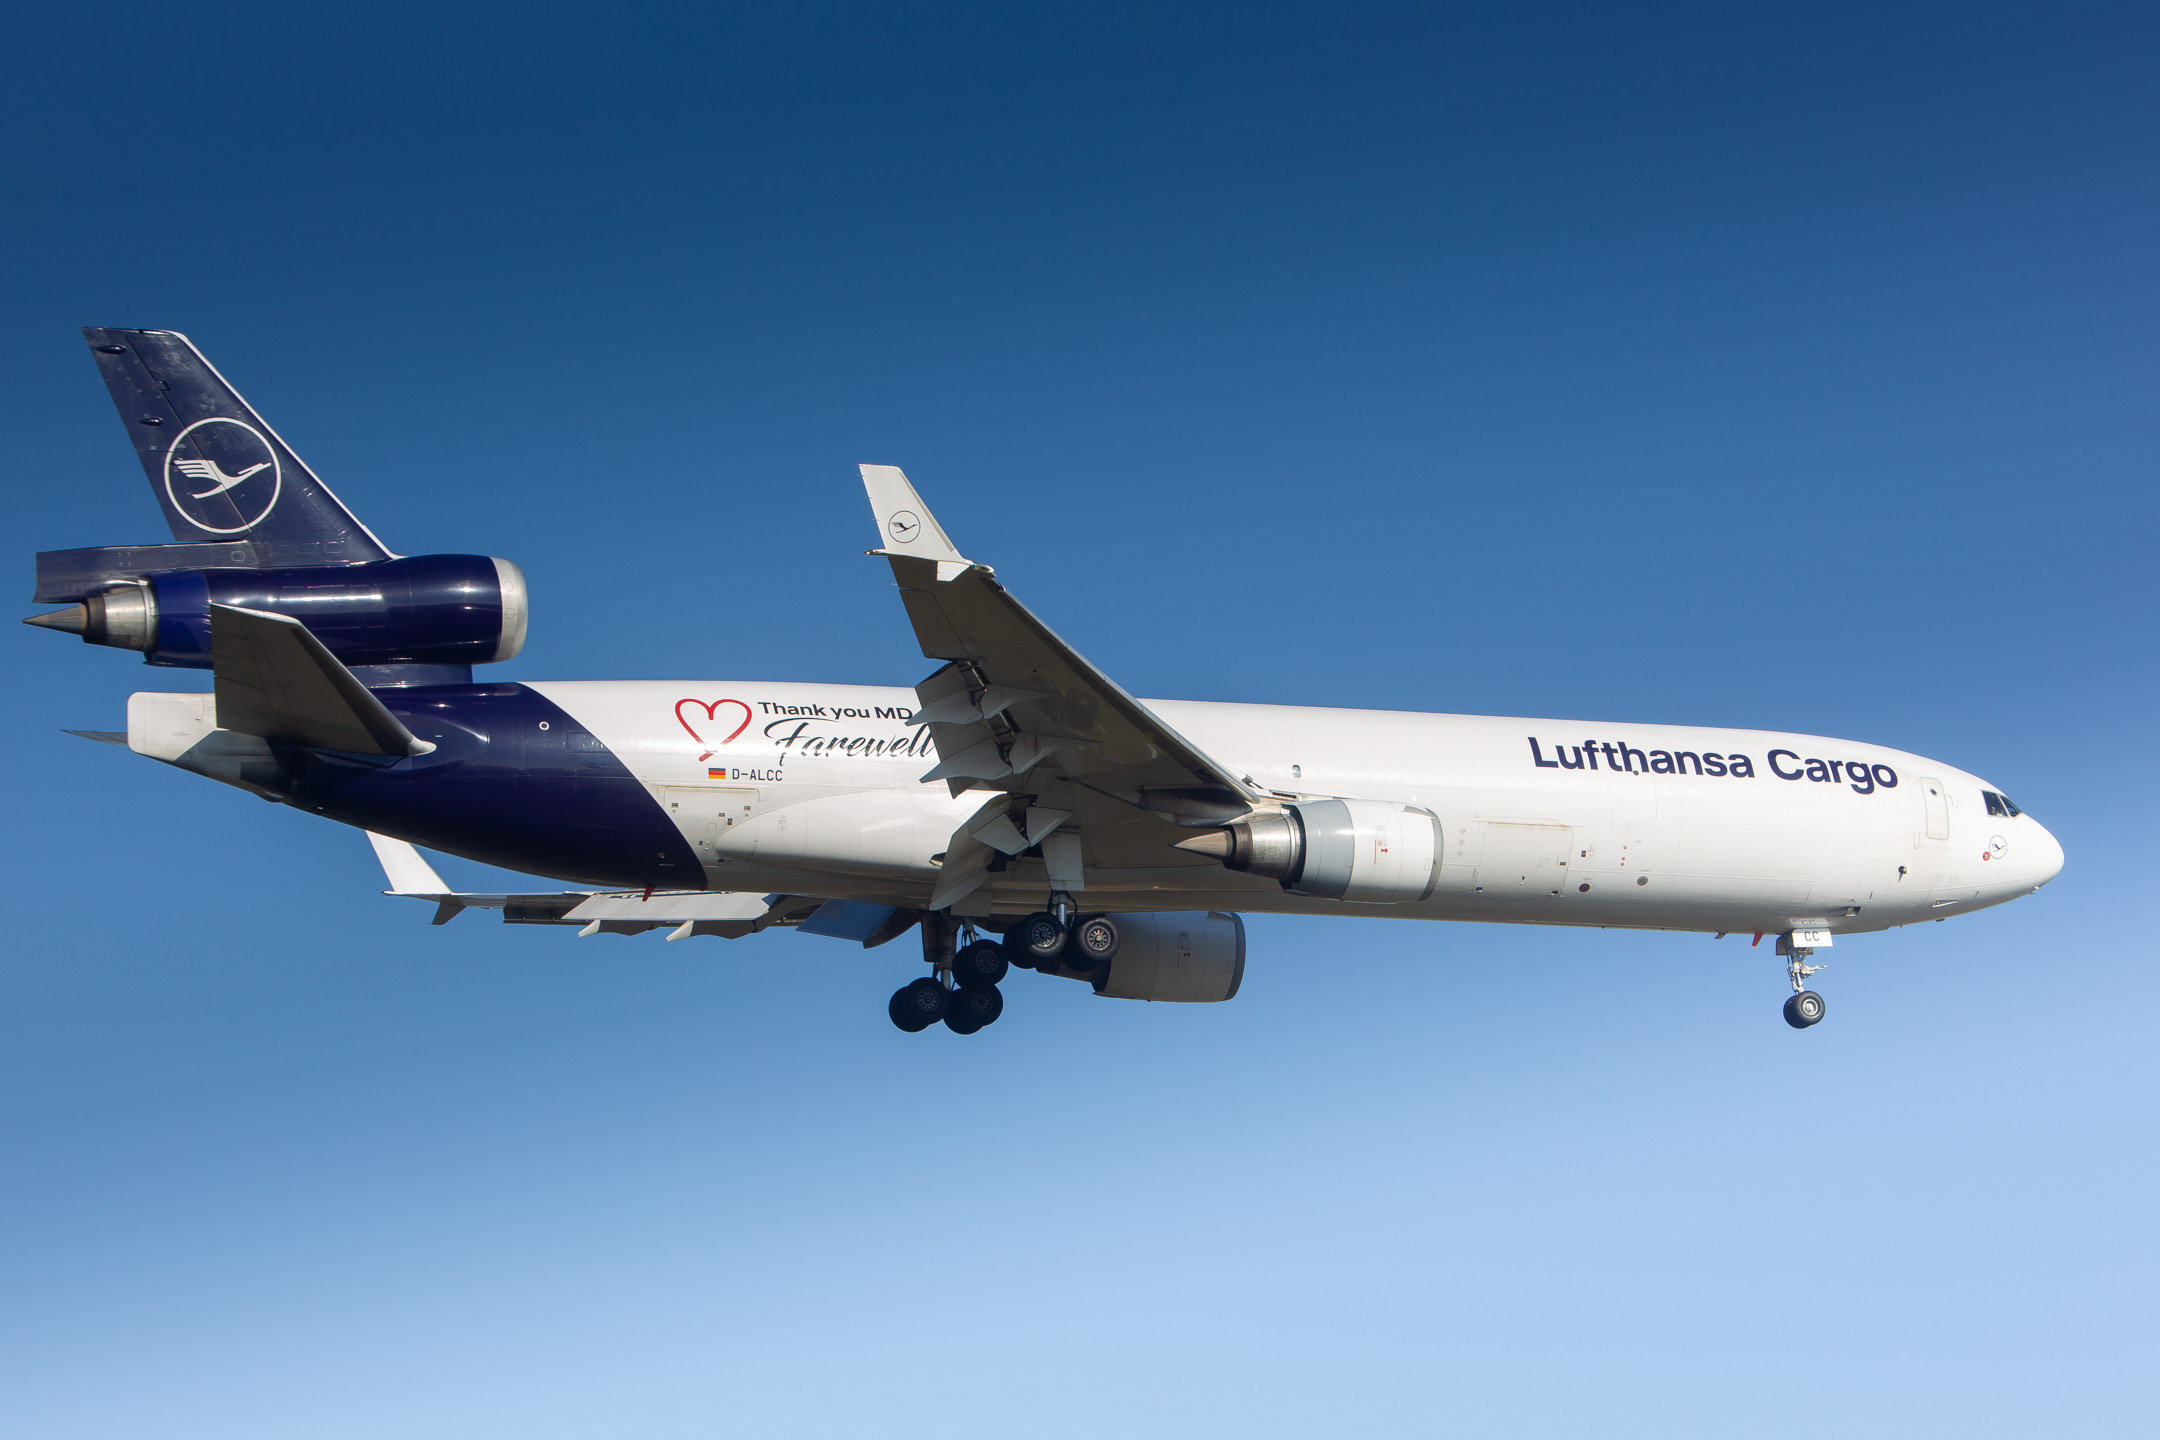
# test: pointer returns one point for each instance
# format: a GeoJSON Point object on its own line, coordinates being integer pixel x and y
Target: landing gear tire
{"type": "Point", "coordinates": [1096, 940]}
{"type": "Point", "coordinates": [1042, 937]}
{"type": "Point", "coordinates": [980, 966]}
{"type": "Point", "coordinates": [1804, 1009]}
{"type": "Point", "coordinates": [917, 1005]}
{"type": "Point", "coordinates": [970, 1010]}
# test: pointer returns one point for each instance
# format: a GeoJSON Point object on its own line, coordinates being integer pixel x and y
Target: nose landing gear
{"type": "Point", "coordinates": [1805, 1008]}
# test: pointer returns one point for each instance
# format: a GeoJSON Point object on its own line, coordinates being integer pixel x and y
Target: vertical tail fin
{"type": "Point", "coordinates": [218, 471]}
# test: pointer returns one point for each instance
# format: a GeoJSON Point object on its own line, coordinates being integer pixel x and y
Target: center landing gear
{"type": "Point", "coordinates": [963, 993]}
{"type": "Point", "coordinates": [1805, 1008]}
{"type": "Point", "coordinates": [1041, 937]}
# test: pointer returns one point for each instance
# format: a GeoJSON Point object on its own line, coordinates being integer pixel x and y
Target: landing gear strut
{"type": "Point", "coordinates": [1805, 1008]}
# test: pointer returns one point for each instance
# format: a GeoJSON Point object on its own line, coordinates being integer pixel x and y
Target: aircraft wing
{"type": "Point", "coordinates": [684, 913]}
{"type": "Point", "coordinates": [1017, 711]}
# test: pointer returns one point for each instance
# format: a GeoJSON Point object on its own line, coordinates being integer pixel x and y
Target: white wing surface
{"type": "Point", "coordinates": [1018, 712]}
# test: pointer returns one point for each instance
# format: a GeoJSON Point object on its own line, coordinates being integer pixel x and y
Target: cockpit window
{"type": "Point", "coordinates": [1999, 804]}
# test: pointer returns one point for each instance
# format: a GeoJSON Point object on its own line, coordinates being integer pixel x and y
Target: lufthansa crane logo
{"type": "Point", "coordinates": [904, 525]}
{"type": "Point", "coordinates": [222, 476]}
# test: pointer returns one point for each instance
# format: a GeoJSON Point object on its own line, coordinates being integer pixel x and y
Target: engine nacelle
{"type": "Point", "coordinates": [1189, 957]}
{"type": "Point", "coordinates": [419, 610]}
{"type": "Point", "coordinates": [1371, 851]}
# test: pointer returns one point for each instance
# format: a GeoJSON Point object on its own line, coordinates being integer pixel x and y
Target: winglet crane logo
{"type": "Point", "coordinates": [223, 476]}
{"type": "Point", "coordinates": [904, 526]}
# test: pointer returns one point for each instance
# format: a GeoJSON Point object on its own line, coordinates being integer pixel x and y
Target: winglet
{"type": "Point", "coordinates": [905, 524]}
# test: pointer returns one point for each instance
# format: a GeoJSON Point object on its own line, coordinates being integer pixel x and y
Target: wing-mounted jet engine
{"type": "Point", "coordinates": [1373, 851]}
{"type": "Point", "coordinates": [255, 529]}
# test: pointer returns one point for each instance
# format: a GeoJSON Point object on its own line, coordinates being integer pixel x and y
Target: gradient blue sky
{"type": "Point", "coordinates": [1751, 365]}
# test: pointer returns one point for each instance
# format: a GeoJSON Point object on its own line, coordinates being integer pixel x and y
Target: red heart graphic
{"type": "Point", "coordinates": [711, 710]}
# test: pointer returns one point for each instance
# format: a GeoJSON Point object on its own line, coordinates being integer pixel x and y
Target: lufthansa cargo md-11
{"type": "Point", "coordinates": [1017, 808]}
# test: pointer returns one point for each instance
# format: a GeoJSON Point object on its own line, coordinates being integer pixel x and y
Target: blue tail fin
{"type": "Point", "coordinates": [220, 473]}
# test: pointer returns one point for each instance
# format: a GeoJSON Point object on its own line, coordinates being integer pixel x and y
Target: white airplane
{"type": "Point", "coordinates": [1018, 807]}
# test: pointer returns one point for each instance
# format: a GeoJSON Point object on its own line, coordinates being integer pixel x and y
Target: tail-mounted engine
{"type": "Point", "coordinates": [1371, 851]}
{"type": "Point", "coordinates": [255, 529]}
{"type": "Point", "coordinates": [431, 610]}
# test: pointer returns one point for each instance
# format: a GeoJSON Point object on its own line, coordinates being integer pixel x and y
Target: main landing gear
{"type": "Point", "coordinates": [1055, 939]}
{"type": "Point", "coordinates": [1805, 1008]}
{"type": "Point", "coordinates": [969, 966]}
{"type": "Point", "coordinates": [963, 993]}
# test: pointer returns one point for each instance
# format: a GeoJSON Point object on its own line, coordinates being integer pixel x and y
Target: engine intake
{"type": "Point", "coordinates": [1370, 851]}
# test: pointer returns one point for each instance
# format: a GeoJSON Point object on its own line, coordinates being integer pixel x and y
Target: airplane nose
{"type": "Point", "coordinates": [2047, 855]}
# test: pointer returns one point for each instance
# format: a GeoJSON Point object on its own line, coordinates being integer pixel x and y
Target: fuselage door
{"type": "Point", "coordinates": [1938, 808]}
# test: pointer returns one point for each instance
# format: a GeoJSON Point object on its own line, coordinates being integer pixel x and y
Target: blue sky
{"type": "Point", "coordinates": [1696, 364]}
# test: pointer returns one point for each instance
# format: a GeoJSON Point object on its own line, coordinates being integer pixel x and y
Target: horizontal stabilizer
{"type": "Point", "coordinates": [276, 680]}
{"type": "Point", "coordinates": [67, 576]}
{"type": "Point", "coordinates": [103, 737]}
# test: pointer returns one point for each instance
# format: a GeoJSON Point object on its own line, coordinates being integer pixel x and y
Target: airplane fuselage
{"type": "Point", "coordinates": [816, 789]}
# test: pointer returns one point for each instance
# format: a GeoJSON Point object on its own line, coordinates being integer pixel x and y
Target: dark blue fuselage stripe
{"type": "Point", "coordinates": [514, 782]}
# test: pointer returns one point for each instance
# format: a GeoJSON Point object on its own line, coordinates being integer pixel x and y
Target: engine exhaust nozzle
{"type": "Point", "coordinates": [124, 617]}
{"type": "Point", "coordinates": [1272, 845]}
{"type": "Point", "coordinates": [74, 620]}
